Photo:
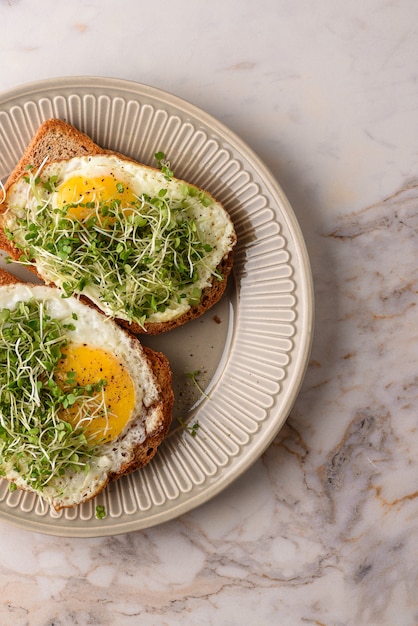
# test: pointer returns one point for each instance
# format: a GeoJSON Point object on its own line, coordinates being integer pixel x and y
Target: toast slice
{"type": "Point", "coordinates": [104, 461]}
{"type": "Point", "coordinates": [55, 142]}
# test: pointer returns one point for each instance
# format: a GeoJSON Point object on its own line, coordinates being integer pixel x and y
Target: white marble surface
{"type": "Point", "coordinates": [323, 529]}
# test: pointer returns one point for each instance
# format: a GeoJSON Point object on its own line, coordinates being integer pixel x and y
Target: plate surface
{"type": "Point", "coordinates": [250, 351]}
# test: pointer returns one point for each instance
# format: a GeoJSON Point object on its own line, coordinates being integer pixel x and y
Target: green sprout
{"type": "Point", "coordinates": [164, 165]}
{"type": "Point", "coordinates": [190, 428]}
{"type": "Point", "coordinates": [100, 511]}
{"type": "Point", "coordinates": [193, 377]}
{"type": "Point", "coordinates": [35, 441]}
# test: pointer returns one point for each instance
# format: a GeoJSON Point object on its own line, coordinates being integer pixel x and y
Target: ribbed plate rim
{"type": "Point", "coordinates": [116, 85]}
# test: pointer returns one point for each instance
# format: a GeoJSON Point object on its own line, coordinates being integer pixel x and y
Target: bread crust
{"type": "Point", "coordinates": [59, 140]}
{"type": "Point", "coordinates": [56, 140]}
{"type": "Point", "coordinates": [8, 279]}
{"type": "Point", "coordinates": [146, 450]}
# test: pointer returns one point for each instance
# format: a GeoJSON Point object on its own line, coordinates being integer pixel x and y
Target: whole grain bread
{"type": "Point", "coordinates": [8, 279]}
{"type": "Point", "coordinates": [57, 140]}
{"type": "Point", "coordinates": [146, 450]}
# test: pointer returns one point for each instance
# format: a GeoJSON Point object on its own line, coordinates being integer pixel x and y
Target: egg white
{"type": "Point", "coordinates": [97, 331]}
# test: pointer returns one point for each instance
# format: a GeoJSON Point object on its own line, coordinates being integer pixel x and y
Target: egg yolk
{"type": "Point", "coordinates": [85, 365]}
{"type": "Point", "coordinates": [79, 191]}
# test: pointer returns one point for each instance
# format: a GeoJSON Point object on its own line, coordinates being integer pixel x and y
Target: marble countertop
{"type": "Point", "coordinates": [323, 528]}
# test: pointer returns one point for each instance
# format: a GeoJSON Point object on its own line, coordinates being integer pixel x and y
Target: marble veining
{"type": "Point", "coordinates": [323, 529]}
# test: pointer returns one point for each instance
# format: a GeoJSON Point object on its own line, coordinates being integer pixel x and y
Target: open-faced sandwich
{"type": "Point", "coordinates": [82, 402]}
{"type": "Point", "coordinates": [149, 250]}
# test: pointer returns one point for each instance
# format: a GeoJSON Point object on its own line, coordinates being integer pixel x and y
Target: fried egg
{"type": "Point", "coordinates": [85, 186]}
{"type": "Point", "coordinates": [119, 407]}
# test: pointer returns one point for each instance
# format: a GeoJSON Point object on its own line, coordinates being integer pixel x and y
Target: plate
{"type": "Point", "coordinates": [248, 354]}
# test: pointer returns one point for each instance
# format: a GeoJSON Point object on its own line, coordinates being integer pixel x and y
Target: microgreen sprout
{"type": "Point", "coordinates": [35, 441]}
{"type": "Point", "coordinates": [164, 165]}
{"type": "Point", "coordinates": [190, 428]}
{"type": "Point", "coordinates": [193, 377]}
{"type": "Point", "coordinates": [139, 259]}
{"type": "Point", "coordinates": [49, 183]}
{"type": "Point", "coordinates": [100, 511]}
{"type": "Point", "coordinates": [194, 428]}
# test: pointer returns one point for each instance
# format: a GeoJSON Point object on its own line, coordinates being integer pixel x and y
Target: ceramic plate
{"type": "Point", "coordinates": [250, 351]}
